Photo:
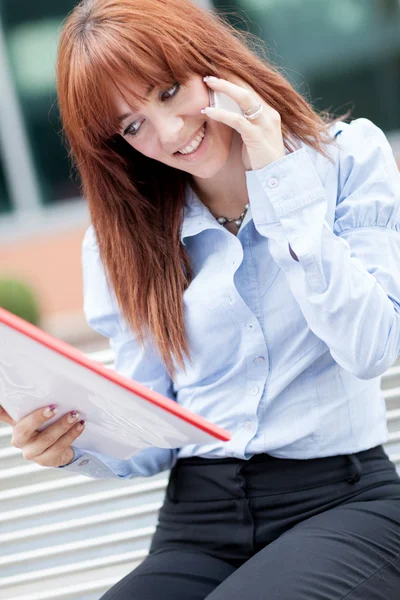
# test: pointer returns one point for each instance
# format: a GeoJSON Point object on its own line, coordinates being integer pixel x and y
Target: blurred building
{"type": "Point", "coordinates": [339, 53]}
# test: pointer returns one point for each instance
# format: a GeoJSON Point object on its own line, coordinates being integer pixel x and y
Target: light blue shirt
{"type": "Point", "coordinates": [286, 354]}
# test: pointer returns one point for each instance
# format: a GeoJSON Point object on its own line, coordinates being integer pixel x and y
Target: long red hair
{"type": "Point", "coordinates": [136, 203]}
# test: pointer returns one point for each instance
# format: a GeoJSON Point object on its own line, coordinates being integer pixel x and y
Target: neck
{"type": "Point", "coordinates": [226, 193]}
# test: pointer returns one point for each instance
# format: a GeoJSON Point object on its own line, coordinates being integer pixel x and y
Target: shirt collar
{"type": "Point", "coordinates": [197, 217]}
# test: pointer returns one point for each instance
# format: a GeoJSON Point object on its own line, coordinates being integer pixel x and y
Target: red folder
{"type": "Point", "coordinates": [122, 416]}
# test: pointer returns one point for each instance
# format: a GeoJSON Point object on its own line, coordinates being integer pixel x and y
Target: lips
{"type": "Point", "coordinates": [194, 142]}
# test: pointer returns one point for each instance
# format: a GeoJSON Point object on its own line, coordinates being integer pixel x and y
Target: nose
{"type": "Point", "coordinates": [169, 132]}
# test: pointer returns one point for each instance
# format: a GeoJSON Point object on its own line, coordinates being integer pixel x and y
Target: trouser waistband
{"type": "Point", "coordinates": [196, 478]}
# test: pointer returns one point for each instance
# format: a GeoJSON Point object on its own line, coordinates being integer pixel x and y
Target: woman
{"type": "Point", "coordinates": [247, 266]}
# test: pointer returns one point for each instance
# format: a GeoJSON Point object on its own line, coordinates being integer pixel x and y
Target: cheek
{"type": "Point", "coordinates": [148, 147]}
{"type": "Point", "coordinates": [224, 135]}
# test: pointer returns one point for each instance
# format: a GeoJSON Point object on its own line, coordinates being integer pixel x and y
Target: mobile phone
{"type": "Point", "coordinates": [220, 100]}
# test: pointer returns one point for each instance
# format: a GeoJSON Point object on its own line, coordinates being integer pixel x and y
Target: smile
{"type": "Point", "coordinates": [195, 143]}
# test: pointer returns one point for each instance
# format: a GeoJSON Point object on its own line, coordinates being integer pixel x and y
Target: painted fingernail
{"type": "Point", "coordinates": [50, 410]}
{"type": "Point", "coordinates": [73, 416]}
{"type": "Point", "coordinates": [81, 425]}
{"type": "Point", "coordinates": [205, 110]}
{"type": "Point", "coordinates": [210, 78]}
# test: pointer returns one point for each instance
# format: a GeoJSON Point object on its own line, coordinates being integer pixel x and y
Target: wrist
{"type": "Point", "coordinates": [71, 457]}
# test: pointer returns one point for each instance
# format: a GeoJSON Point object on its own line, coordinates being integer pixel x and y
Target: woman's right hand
{"type": "Point", "coordinates": [48, 448]}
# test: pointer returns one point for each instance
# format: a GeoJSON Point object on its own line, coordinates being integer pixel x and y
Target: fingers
{"type": "Point", "coordinates": [5, 417]}
{"type": "Point", "coordinates": [243, 97]}
{"type": "Point", "coordinates": [237, 122]}
{"type": "Point", "coordinates": [246, 98]}
{"type": "Point", "coordinates": [60, 453]}
{"type": "Point", "coordinates": [26, 429]}
{"type": "Point", "coordinates": [55, 438]}
{"type": "Point", "coordinates": [52, 446]}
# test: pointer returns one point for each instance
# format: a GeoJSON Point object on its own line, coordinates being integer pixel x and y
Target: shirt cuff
{"type": "Point", "coordinates": [85, 463]}
{"type": "Point", "coordinates": [289, 184]}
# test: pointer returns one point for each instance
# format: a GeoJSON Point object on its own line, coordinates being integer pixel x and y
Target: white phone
{"type": "Point", "coordinates": [220, 100]}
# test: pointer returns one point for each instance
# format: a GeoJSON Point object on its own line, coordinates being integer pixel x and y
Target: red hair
{"type": "Point", "coordinates": [136, 203]}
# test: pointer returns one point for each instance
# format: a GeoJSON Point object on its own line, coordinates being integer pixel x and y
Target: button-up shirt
{"type": "Point", "coordinates": [290, 323]}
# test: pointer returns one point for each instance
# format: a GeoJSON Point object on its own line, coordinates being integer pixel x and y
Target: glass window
{"type": "Point", "coordinates": [32, 32]}
{"type": "Point", "coordinates": [340, 54]}
{"type": "Point", "coordinates": [5, 202]}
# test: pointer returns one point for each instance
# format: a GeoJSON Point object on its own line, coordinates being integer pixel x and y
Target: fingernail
{"type": "Point", "coordinates": [81, 425]}
{"type": "Point", "coordinates": [50, 410]}
{"type": "Point", "coordinates": [73, 416]}
{"type": "Point", "coordinates": [204, 110]}
{"type": "Point", "coordinates": [210, 78]}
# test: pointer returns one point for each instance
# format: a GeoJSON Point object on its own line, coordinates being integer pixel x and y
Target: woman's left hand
{"type": "Point", "coordinates": [262, 137]}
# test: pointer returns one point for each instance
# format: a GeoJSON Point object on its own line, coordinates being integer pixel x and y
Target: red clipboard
{"type": "Point", "coordinates": [122, 416]}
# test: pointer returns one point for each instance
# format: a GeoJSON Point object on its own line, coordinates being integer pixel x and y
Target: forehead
{"type": "Point", "coordinates": [130, 96]}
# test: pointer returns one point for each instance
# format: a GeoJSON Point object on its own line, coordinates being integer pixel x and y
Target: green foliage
{"type": "Point", "coordinates": [18, 298]}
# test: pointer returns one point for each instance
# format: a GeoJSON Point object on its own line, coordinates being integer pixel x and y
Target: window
{"type": "Point", "coordinates": [32, 31]}
{"type": "Point", "coordinates": [5, 203]}
{"type": "Point", "coordinates": [339, 54]}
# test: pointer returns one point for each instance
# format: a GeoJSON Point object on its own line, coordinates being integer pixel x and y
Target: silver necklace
{"type": "Point", "coordinates": [237, 220]}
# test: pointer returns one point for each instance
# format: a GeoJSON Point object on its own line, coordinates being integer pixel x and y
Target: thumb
{"type": "Point", "coordinates": [5, 417]}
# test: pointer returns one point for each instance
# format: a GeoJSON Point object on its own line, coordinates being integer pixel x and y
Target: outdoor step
{"type": "Point", "coordinates": [11, 457]}
{"type": "Point", "coordinates": [89, 505]}
{"type": "Point", "coordinates": [29, 471]}
{"type": "Point", "coordinates": [90, 547]}
{"type": "Point", "coordinates": [71, 486]}
{"type": "Point", "coordinates": [71, 591]}
{"type": "Point", "coordinates": [393, 420]}
{"type": "Point", "coordinates": [86, 572]}
{"type": "Point", "coordinates": [392, 398]}
{"type": "Point", "coordinates": [391, 378]}
{"type": "Point", "coordinates": [78, 529]}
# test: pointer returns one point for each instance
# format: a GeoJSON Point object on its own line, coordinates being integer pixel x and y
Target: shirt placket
{"type": "Point", "coordinates": [253, 340]}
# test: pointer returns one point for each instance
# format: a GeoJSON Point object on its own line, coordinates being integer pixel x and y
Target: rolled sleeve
{"type": "Point", "coordinates": [346, 278]}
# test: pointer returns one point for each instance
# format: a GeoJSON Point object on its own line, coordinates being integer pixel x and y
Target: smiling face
{"type": "Point", "coordinates": [170, 128]}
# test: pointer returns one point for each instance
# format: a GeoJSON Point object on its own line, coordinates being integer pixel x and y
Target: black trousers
{"type": "Point", "coordinates": [274, 529]}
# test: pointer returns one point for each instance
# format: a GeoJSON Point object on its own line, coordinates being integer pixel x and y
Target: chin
{"type": "Point", "coordinates": [210, 169]}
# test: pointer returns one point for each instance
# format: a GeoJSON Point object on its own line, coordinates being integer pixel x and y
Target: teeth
{"type": "Point", "coordinates": [194, 144]}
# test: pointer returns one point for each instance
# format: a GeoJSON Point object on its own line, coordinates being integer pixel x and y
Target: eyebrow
{"type": "Point", "coordinates": [128, 114]}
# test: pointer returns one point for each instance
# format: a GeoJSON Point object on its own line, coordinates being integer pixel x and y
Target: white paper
{"type": "Point", "coordinates": [119, 423]}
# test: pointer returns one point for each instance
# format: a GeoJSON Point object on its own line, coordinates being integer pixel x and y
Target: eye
{"type": "Point", "coordinates": [133, 128]}
{"type": "Point", "coordinates": [170, 92]}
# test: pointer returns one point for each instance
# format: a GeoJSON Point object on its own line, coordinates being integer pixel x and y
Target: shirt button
{"type": "Point", "coordinates": [83, 462]}
{"type": "Point", "coordinates": [255, 390]}
{"type": "Point", "coordinates": [273, 182]}
{"type": "Point", "coordinates": [250, 326]}
{"type": "Point", "coordinates": [248, 425]}
{"type": "Point", "coordinates": [259, 360]}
